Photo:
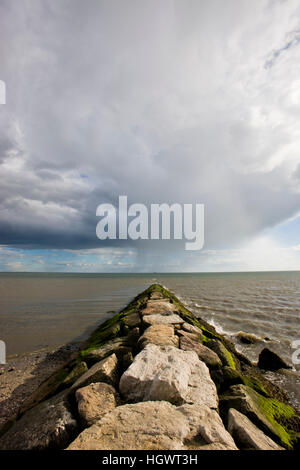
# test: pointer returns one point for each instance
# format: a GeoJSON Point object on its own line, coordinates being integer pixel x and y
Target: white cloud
{"type": "Point", "coordinates": [163, 101]}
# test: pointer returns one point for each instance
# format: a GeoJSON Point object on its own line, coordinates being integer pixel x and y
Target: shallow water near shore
{"type": "Point", "coordinates": [40, 310]}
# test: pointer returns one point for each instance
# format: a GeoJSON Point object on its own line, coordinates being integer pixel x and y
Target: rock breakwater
{"type": "Point", "coordinates": [156, 377]}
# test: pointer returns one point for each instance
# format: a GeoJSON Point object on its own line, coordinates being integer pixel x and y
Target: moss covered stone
{"type": "Point", "coordinates": [79, 369]}
{"type": "Point", "coordinates": [278, 420]}
{"type": "Point", "coordinates": [223, 353]}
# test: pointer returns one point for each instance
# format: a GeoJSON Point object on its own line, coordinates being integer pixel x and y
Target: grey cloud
{"type": "Point", "coordinates": [163, 102]}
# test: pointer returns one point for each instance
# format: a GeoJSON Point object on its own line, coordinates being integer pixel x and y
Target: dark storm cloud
{"type": "Point", "coordinates": [161, 101]}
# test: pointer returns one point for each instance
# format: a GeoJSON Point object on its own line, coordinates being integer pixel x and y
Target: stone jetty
{"type": "Point", "coordinates": [155, 377]}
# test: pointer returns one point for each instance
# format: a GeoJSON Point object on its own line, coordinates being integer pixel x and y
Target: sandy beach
{"type": "Point", "coordinates": [23, 374]}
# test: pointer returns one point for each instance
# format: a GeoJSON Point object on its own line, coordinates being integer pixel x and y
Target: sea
{"type": "Point", "coordinates": [46, 310]}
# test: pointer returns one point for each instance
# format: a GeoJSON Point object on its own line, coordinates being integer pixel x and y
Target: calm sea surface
{"type": "Point", "coordinates": [42, 310]}
{"type": "Point", "coordinates": [47, 310]}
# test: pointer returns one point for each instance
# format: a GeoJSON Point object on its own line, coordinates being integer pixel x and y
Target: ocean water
{"type": "Point", "coordinates": [40, 311]}
{"type": "Point", "coordinates": [47, 310]}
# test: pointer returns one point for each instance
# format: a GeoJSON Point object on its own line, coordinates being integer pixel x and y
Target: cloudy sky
{"type": "Point", "coordinates": [174, 101]}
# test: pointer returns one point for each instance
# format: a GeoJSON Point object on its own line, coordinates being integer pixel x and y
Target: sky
{"type": "Point", "coordinates": [165, 102]}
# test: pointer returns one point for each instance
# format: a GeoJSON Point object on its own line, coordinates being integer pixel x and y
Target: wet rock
{"type": "Point", "coordinates": [75, 373]}
{"type": "Point", "coordinates": [223, 353]}
{"type": "Point", "coordinates": [133, 320]}
{"type": "Point", "coordinates": [268, 360]}
{"type": "Point", "coordinates": [161, 335]}
{"type": "Point", "coordinates": [94, 401]}
{"type": "Point", "coordinates": [205, 354]}
{"type": "Point", "coordinates": [103, 371]}
{"type": "Point", "coordinates": [230, 377]}
{"type": "Point", "coordinates": [126, 361]}
{"type": "Point", "coordinates": [246, 434]}
{"type": "Point", "coordinates": [49, 425]}
{"type": "Point", "coordinates": [117, 346]}
{"type": "Point", "coordinates": [248, 338]}
{"type": "Point", "coordinates": [270, 415]}
{"type": "Point", "coordinates": [171, 374]}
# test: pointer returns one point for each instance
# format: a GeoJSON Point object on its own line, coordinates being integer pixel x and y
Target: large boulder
{"type": "Point", "coordinates": [162, 319]}
{"type": "Point", "coordinates": [156, 425]}
{"type": "Point", "coordinates": [270, 415]}
{"type": "Point", "coordinates": [206, 355]}
{"type": "Point", "coordinates": [268, 360]}
{"type": "Point", "coordinates": [246, 434]}
{"type": "Point", "coordinates": [192, 329]}
{"type": "Point", "coordinates": [205, 426]}
{"type": "Point", "coordinates": [116, 346]}
{"type": "Point", "coordinates": [223, 353]}
{"type": "Point", "coordinates": [94, 401]}
{"type": "Point", "coordinates": [161, 335]}
{"type": "Point", "coordinates": [171, 374]}
{"type": "Point", "coordinates": [49, 425]}
{"type": "Point", "coordinates": [159, 308]}
{"type": "Point", "coordinates": [141, 426]}
{"type": "Point", "coordinates": [180, 332]}
{"type": "Point", "coordinates": [133, 320]}
{"type": "Point", "coordinates": [248, 338]}
{"type": "Point", "coordinates": [103, 371]}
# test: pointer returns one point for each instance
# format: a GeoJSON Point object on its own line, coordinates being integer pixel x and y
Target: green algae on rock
{"type": "Point", "coordinates": [113, 347]}
{"type": "Point", "coordinates": [278, 420]}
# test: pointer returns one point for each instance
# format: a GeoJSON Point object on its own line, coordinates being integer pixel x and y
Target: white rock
{"type": "Point", "coordinates": [171, 374]}
{"type": "Point", "coordinates": [207, 424]}
{"type": "Point", "coordinates": [141, 426]}
{"type": "Point", "coordinates": [156, 425]}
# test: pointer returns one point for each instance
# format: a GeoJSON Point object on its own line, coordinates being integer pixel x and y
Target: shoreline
{"type": "Point", "coordinates": [38, 365]}
{"type": "Point", "coordinates": [23, 373]}
{"type": "Point", "coordinates": [30, 379]}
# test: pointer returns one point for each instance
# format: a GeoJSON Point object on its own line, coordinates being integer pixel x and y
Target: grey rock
{"type": "Point", "coordinates": [206, 355]}
{"type": "Point", "coordinates": [246, 434]}
{"type": "Point", "coordinates": [133, 320]}
{"type": "Point", "coordinates": [206, 424]}
{"type": "Point", "coordinates": [223, 353]}
{"type": "Point", "coordinates": [192, 329]}
{"type": "Point", "coordinates": [268, 360]}
{"type": "Point", "coordinates": [48, 425]}
{"type": "Point", "coordinates": [250, 403]}
{"type": "Point", "coordinates": [116, 346]}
